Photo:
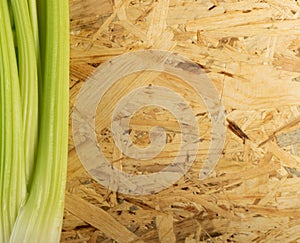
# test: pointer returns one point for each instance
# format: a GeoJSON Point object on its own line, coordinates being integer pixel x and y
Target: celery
{"type": "Point", "coordinates": [34, 74]}
{"type": "Point", "coordinates": [40, 219]}
{"type": "Point", "coordinates": [12, 165]}
{"type": "Point", "coordinates": [34, 24]}
{"type": "Point", "coordinates": [27, 64]}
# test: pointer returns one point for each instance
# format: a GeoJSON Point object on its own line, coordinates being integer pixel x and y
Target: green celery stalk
{"type": "Point", "coordinates": [34, 23]}
{"type": "Point", "coordinates": [12, 165]}
{"type": "Point", "coordinates": [28, 76]}
{"type": "Point", "coordinates": [32, 6]}
{"type": "Point", "coordinates": [40, 219]}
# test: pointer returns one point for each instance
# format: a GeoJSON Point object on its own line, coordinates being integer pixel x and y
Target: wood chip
{"type": "Point", "coordinates": [164, 224]}
{"type": "Point", "coordinates": [99, 219]}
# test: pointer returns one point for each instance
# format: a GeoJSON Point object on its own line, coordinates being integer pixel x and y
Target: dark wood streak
{"type": "Point", "coordinates": [237, 130]}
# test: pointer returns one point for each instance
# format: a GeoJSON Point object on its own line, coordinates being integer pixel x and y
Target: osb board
{"type": "Point", "coordinates": [251, 51]}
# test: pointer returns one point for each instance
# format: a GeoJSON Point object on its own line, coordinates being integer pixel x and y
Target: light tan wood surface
{"type": "Point", "coordinates": [251, 51]}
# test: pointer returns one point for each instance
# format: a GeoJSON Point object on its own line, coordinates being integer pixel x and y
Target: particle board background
{"type": "Point", "coordinates": [251, 51]}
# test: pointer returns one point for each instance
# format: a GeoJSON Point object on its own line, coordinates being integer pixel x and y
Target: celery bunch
{"type": "Point", "coordinates": [34, 73]}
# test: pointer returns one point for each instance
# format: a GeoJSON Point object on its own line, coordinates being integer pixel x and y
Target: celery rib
{"type": "Point", "coordinates": [12, 174]}
{"type": "Point", "coordinates": [28, 78]}
{"type": "Point", "coordinates": [41, 216]}
{"type": "Point", "coordinates": [34, 110]}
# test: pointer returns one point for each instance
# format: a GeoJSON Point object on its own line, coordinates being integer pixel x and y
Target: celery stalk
{"type": "Point", "coordinates": [27, 65]}
{"type": "Point", "coordinates": [34, 23]}
{"type": "Point", "coordinates": [40, 219]}
{"type": "Point", "coordinates": [12, 166]}
{"type": "Point", "coordinates": [32, 6]}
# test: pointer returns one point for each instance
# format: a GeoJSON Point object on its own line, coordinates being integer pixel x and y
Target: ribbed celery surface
{"type": "Point", "coordinates": [12, 164]}
{"type": "Point", "coordinates": [34, 75]}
